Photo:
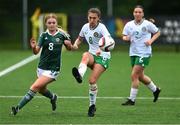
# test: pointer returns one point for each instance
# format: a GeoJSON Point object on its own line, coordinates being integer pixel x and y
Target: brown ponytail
{"type": "Point", "coordinates": [151, 20]}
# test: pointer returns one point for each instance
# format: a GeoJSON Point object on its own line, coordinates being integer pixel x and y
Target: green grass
{"type": "Point", "coordinates": [115, 82]}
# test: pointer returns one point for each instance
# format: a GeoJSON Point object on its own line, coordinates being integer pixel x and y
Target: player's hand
{"type": "Point", "coordinates": [33, 43]}
{"type": "Point", "coordinates": [126, 38]}
{"type": "Point", "coordinates": [148, 43]}
{"type": "Point", "coordinates": [75, 47]}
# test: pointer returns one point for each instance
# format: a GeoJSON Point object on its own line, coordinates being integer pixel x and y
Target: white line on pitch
{"type": "Point", "coordinates": [22, 63]}
{"type": "Point", "coordinates": [85, 97]}
{"type": "Point", "coordinates": [19, 64]}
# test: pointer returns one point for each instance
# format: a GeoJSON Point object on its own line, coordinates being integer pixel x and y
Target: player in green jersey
{"type": "Point", "coordinates": [50, 43]}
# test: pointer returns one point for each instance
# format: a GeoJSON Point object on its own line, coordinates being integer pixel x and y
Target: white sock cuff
{"type": "Point", "coordinates": [134, 89]}
{"type": "Point", "coordinates": [82, 65]}
{"type": "Point", "coordinates": [82, 69]}
{"type": "Point", "coordinates": [93, 87]}
{"type": "Point", "coordinates": [152, 86]}
{"type": "Point", "coordinates": [133, 94]}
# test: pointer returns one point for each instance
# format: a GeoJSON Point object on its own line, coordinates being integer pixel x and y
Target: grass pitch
{"type": "Point", "coordinates": [73, 99]}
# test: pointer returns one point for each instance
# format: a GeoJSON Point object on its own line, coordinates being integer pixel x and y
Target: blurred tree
{"type": "Point", "coordinates": [123, 7]}
{"type": "Point", "coordinates": [10, 7]}
{"type": "Point", "coordinates": [120, 7]}
{"type": "Point", "coordinates": [11, 11]}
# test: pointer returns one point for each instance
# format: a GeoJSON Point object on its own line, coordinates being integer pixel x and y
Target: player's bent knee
{"type": "Point", "coordinates": [35, 88]}
{"type": "Point", "coordinates": [85, 55]}
{"type": "Point", "coordinates": [92, 81]}
{"type": "Point", "coordinates": [134, 76]}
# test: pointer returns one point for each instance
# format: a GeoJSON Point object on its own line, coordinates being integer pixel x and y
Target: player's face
{"type": "Point", "coordinates": [138, 14]}
{"type": "Point", "coordinates": [93, 19]}
{"type": "Point", "coordinates": [51, 24]}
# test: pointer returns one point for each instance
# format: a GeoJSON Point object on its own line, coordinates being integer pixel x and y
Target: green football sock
{"type": "Point", "coordinates": [48, 94]}
{"type": "Point", "coordinates": [30, 94]}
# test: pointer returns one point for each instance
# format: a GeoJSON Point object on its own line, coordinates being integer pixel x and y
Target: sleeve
{"type": "Point", "coordinates": [152, 28]}
{"type": "Point", "coordinates": [81, 33]}
{"type": "Point", "coordinates": [104, 31]}
{"type": "Point", "coordinates": [125, 30]}
{"type": "Point", "coordinates": [67, 36]}
{"type": "Point", "coordinates": [40, 40]}
{"type": "Point", "coordinates": [64, 33]}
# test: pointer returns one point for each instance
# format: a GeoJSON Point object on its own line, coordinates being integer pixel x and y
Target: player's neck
{"type": "Point", "coordinates": [138, 22]}
{"type": "Point", "coordinates": [52, 32]}
{"type": "Point", "coordinates": [92, 27]}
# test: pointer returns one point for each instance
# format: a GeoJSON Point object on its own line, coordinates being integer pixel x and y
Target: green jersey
{"type": "Point", "coordinates": [51, 45]}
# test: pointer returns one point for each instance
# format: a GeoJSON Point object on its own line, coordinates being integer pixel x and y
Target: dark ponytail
{"type": "Point", "coordinates": [151, 20]}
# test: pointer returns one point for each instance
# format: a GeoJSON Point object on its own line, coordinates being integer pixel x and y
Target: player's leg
{"type": "Point", "coordinates": [93, 89]}
{"type": "Point", "coordinates": [78, 73]}
{"type": "Point", "coordinates": [52, 75]}
{"type": "Point", "coordinates": [134, 82]}
{"type": "Point", "coordinates": [36, 86]}
{"type": "Point", "coordinates": [138, 64]}
{"type": "Point", "coordinates": [28, 96]}
{"type": "Point", "coordinates": [95, 74]}
{"type": "Point", "coordinates": [53, 97]}
{"type": "Point", "coordinates": [136, 71]}
{"type": "Point", "coordinates": [146, 80]}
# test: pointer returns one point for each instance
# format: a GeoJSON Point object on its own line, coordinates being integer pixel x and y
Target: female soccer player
{"type": "Point", "coordinates": [51, 42]}
{"type": "Point", "coordinates": [138, 32]}
{"type": "Point", "coordinates": [95, 59]}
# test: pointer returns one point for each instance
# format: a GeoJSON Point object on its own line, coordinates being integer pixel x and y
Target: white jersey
{"type": "Point", "coordinates": [93, 36]}
{"type": "Point", "coordinates": [139, 34]}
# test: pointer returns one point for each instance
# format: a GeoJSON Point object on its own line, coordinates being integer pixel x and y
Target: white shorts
{"type": "Point", "coordinates": [48, 73]}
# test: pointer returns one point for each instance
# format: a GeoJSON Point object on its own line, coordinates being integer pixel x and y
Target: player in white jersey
{"type": "Point", "coordinates": [95, 59]}
{"type": "Point", "coordinates": [141, 34]}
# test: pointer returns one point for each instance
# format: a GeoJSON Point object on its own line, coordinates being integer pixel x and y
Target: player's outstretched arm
{"type": "Point", "coordinates": [77, 43]}
{"type": "Point", "coordinates": [68, 45]}
{"type": "Point", "coordinates": [154, 37]}
{"type": "Point", "coordinates": [34, 46]}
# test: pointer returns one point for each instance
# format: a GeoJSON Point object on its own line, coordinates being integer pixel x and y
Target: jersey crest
{"type": "Point", "coordinates": [143, 29]}
{"type": "Point", "coordinates": [57, 40]}
{"type": "Point", "coordinates": [96, 34]}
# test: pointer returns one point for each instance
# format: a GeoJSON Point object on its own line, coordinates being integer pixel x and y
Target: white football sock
{"type": "Point", "coordinates": [152, 86]}
{"type": "Point", "coordinates": [82, 69]}
{"type": "Point", "coordinates": [92, 94]}
{"type": "Point", "coordinates": [133, 94]}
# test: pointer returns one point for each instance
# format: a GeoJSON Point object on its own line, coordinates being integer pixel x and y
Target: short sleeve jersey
{"type": "Point", "coordinates": [139, 34]}
{"type": "Point", "coordinates": [50, 58]}
{"type": "Point", "coordinates": [93, 36]}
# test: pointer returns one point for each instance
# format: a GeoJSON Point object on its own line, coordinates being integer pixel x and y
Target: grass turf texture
{"type": "Point", "coordinates": [115, 82]}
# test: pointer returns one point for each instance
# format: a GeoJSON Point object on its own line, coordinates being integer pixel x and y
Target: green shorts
{"type": "Point", "coordinates": [102, 61]}
{"type": "Point", "coordinates": [142, 61]}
